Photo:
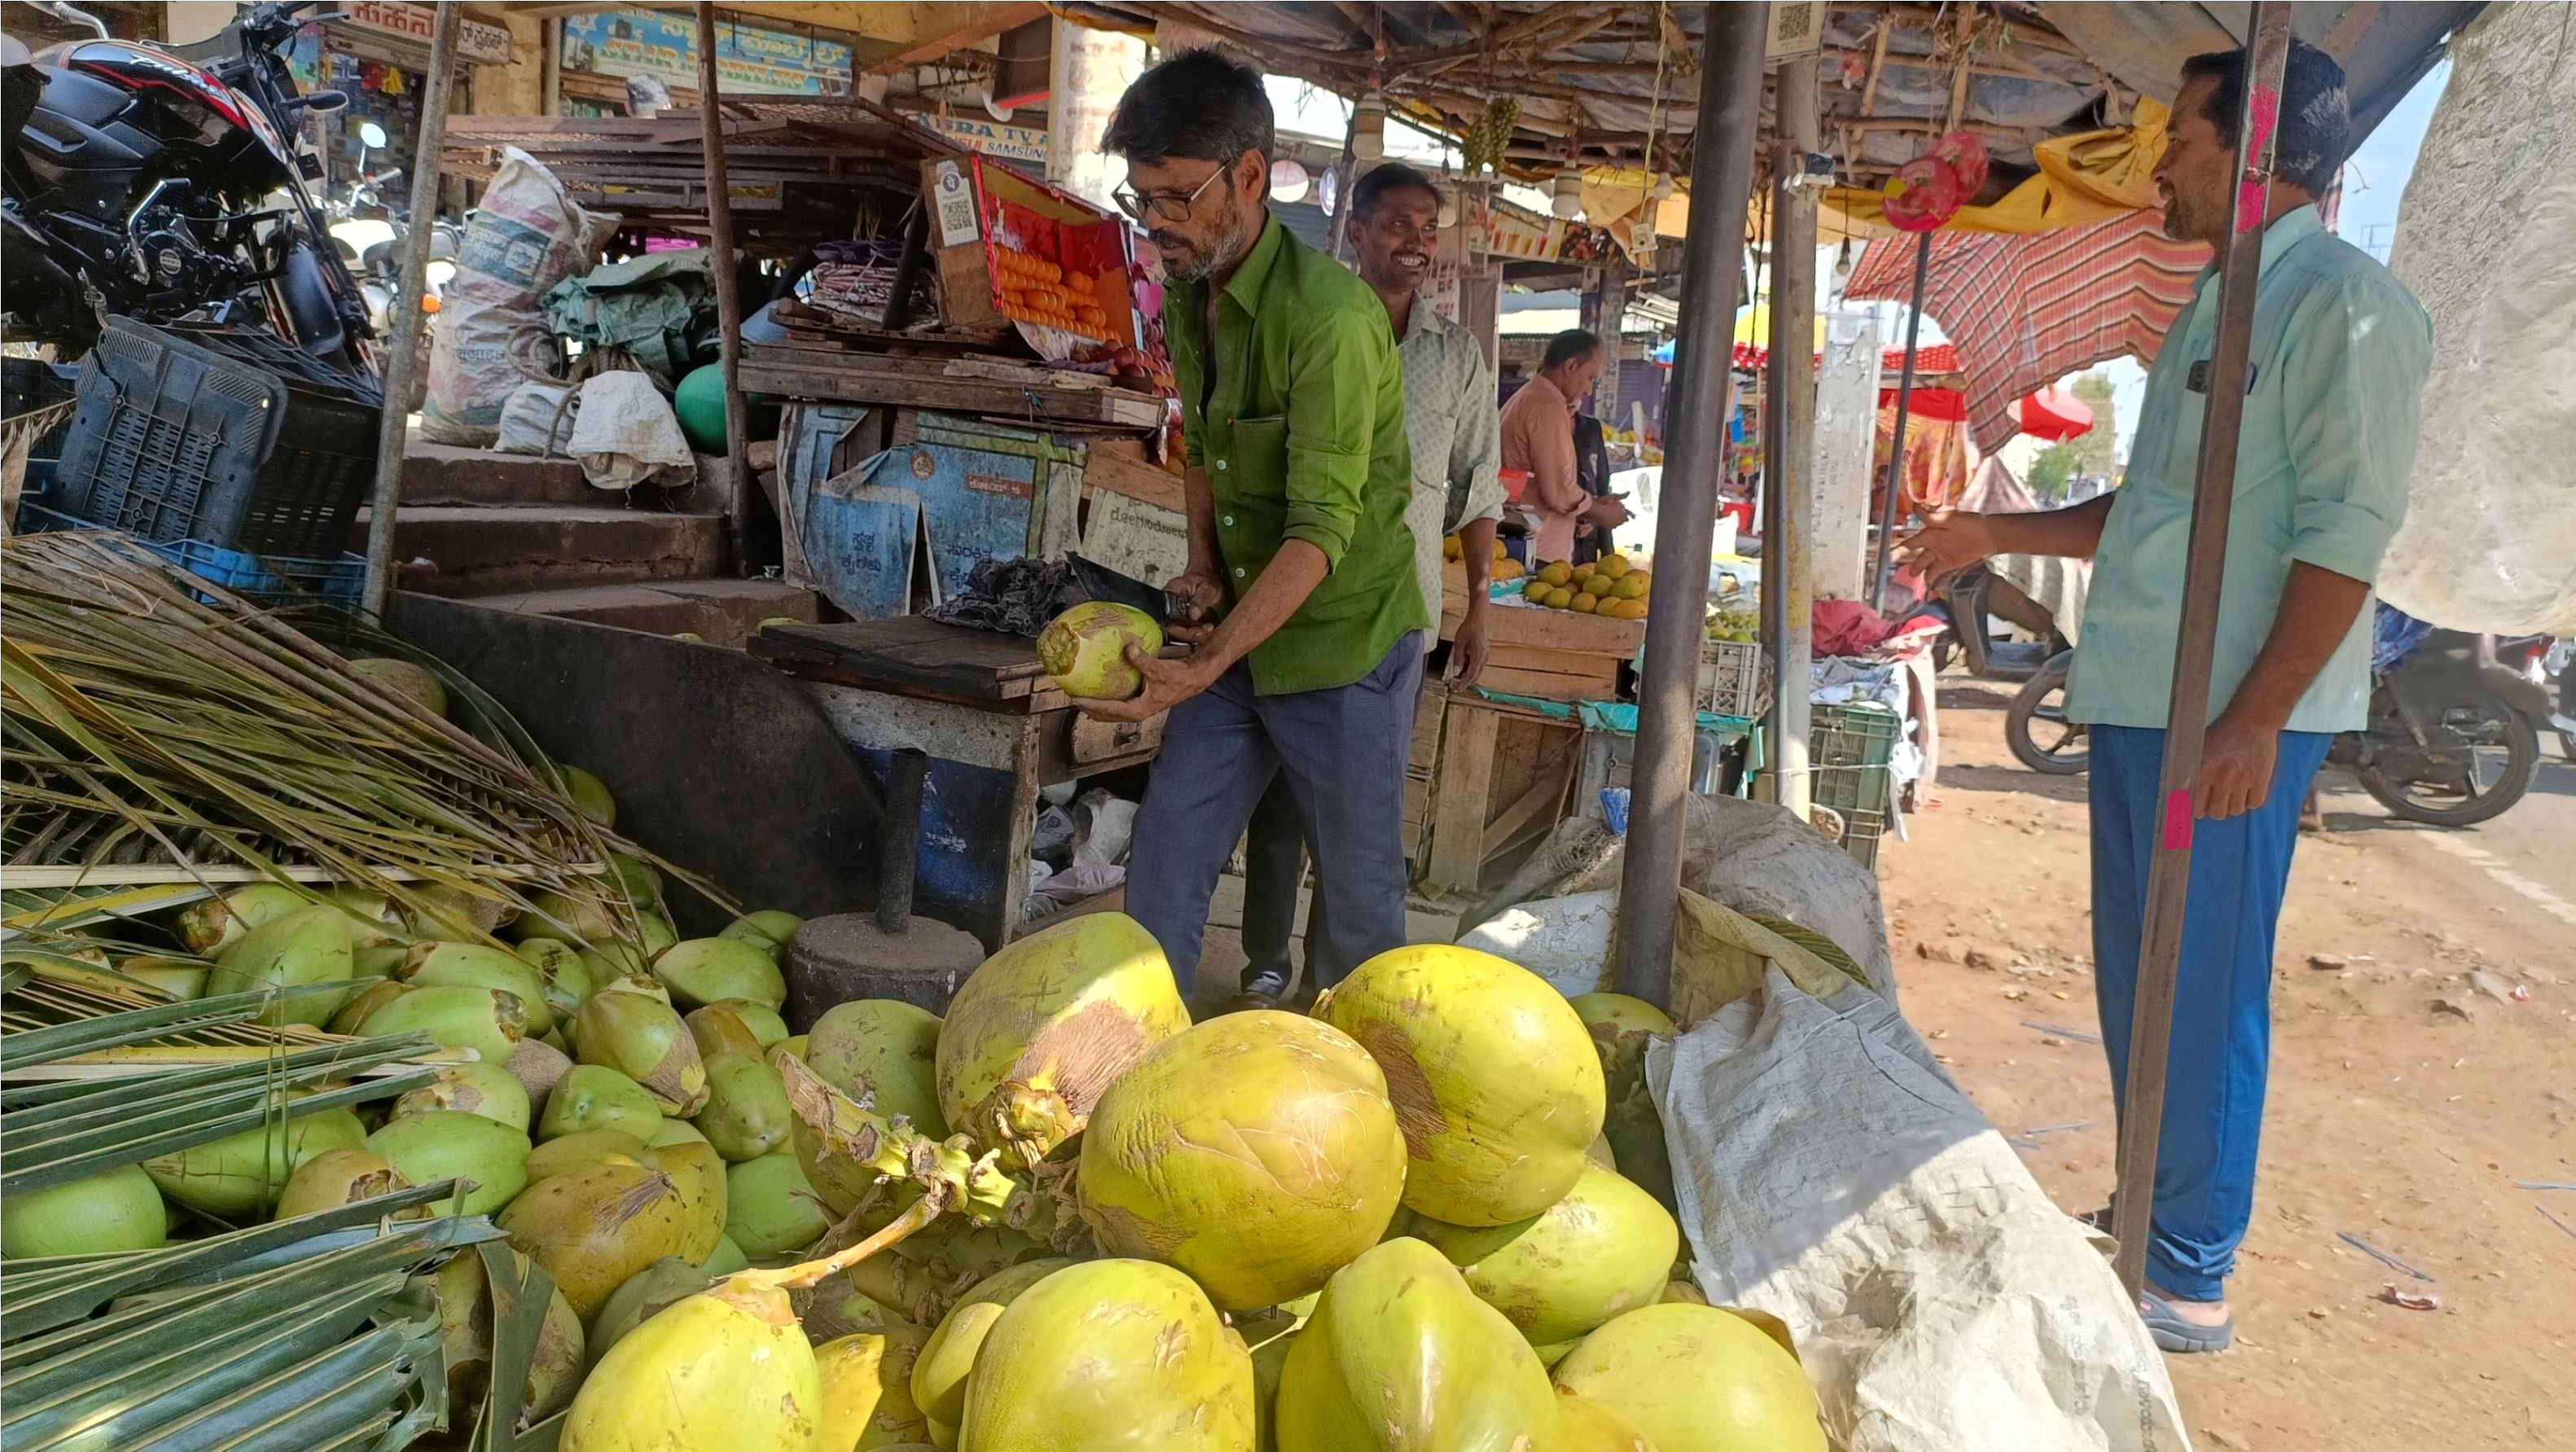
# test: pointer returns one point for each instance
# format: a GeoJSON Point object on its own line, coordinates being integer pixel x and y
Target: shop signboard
{"type": "Point", "coordinates": [482, 43]}
{"type": "Point", "coordinates": [1024, 145]}
{"type": "Point", "coordinates": [749, 60]}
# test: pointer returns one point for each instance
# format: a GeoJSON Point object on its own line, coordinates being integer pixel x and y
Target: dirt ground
{"type": "Point", "coordinates": [2424, 1015]}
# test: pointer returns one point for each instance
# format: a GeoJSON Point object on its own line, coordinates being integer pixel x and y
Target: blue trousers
{"type": "Point", "coordinates": [1343, 752]}
{"type": "Point", "coordinates": [1274, 868]}
{"type": "Point", "coordinates": [2222, 1023]}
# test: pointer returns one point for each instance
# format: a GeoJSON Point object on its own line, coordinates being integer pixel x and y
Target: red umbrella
{"type": "Point", "coordinates": [2052, 414]}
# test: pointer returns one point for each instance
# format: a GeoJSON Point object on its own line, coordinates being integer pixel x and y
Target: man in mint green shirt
{"type": "Point", "coordinates": [1300, 597]}
{"type": "Point", "coordinates": [2340, 352]}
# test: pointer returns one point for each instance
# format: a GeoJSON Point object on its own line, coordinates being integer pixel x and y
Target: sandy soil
{"type": "Point", "coordinates": [2391, 1116]}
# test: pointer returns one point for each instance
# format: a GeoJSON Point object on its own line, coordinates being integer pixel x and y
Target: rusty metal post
{"type": "Point", "coordinates": [728, 293]}
{"type": "Point", "coordinates": [1789, 484]}
{"type": "Point", "coordinates": [1730, 117]}
{"type": "Point", "coordinates": [2187, 716]}
{"type": "Point", "coordinates": [402, 362]}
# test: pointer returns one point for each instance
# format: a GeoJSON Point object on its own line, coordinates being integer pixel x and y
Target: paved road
{"type": "Point", "coordinates": [2530, 851]}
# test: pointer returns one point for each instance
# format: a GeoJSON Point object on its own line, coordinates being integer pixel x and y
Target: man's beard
{"type": "Point", "coordinates": [1189, 264]}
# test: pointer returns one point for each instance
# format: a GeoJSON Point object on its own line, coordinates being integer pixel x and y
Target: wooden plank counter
{"type": "Point", "coordinates": [997, 729]}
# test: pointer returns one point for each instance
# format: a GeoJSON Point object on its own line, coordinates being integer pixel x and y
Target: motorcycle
{"type": "Point", "coordinates": [370, 241]}
{"type": "Point", "coordinates": [162, 184]}
{"type": "Point", "coordinates": [2453, 737]}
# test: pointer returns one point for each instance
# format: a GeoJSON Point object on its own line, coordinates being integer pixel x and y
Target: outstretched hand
{"type": "Point", "coordinates": [1948, 542]}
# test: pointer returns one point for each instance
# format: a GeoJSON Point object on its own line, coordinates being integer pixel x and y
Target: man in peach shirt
{"type": "Point", "coordinates": [1538, 437]}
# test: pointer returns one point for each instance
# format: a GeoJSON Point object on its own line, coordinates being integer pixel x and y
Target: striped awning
{"type": "Point", "coordinates": [2024, 310]}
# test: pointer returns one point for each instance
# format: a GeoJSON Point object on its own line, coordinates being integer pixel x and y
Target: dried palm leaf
{"type": "Point", "coordinates": [142, 724]}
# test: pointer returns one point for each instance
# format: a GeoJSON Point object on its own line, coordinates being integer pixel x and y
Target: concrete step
{"type": "Point", "coordinates": [486, 549]}
{"type": "Point", "coordinates": [444, 474]}
{"type": "Point", "coordinates": [724, 612]}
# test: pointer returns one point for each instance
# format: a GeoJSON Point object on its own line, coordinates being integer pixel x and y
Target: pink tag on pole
{"type": "Point", "coordinates": [2178, 821]}
{"type": "Point", "coordinates": [2267, 117]}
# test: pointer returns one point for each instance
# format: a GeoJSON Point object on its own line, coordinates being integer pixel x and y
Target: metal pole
{"type": "Point", "coordinates": [2187, 717]}
{"type": "Point", "coordinates": [1730, 113]}
{"type": "Point", "coordinates": [728, 291]}
{"type": "Point", "coordinates": [1893, 508]}
{"type": "Point", "coordinates": [1787, 550]}
{"type": "Point", "coordinates": [402, 368]}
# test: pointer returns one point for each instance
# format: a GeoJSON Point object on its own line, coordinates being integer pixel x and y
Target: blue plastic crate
{"type": "Point", "coordinates": [270, 579]}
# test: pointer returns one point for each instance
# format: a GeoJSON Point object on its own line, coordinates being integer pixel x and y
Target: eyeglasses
{"type": "Point", "coordinates": [1163, 206]}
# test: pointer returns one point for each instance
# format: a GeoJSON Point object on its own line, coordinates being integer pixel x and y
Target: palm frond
{"type": "Point", "coordinates": [319, 1332]}
{"type": "Point", "coordinates": [145, 727]}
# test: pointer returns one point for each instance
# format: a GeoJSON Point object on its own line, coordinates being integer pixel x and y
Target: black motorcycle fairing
{"type": "Point", "coordinates": [312, 308]}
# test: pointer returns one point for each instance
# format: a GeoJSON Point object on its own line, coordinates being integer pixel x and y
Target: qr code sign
{"type": "Point", "coordinates": [1795, 27]}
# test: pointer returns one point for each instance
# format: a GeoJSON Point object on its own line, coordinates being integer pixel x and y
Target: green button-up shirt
{"type": "Point", "coordinates": [1301, 431]}
{"type": "Point", "coordinates": [2340, 353]}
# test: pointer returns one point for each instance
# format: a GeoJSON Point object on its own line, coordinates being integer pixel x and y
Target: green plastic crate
{"type": "Point", "coordinates": [1848, 750]}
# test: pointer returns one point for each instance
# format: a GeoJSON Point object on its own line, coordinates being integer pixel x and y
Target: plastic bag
{"type": "Point", "coordinates": [625, 434]}
{"type": "Point", "coordinates": [538, 419]}
{"type": "Point", "coordinates": [1103, 825]}
{"type": "Point", "coordinates": [1829, 1173]}
{"type": "Point", "coordinates": [522, 238]}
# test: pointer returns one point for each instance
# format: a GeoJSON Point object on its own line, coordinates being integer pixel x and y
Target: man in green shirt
{"type": "Point", "coordinates": [2340, 352]}
{"type": "Point", "coordinates": [1300, 598]}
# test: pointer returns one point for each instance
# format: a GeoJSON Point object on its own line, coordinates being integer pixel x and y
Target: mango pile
{"type": "Point", "coordinates": [1503, 568]}
{"type": "Point", "coordinates": [1609, 586]}
{"type": "Point", "coordinates": [1063, 1217]}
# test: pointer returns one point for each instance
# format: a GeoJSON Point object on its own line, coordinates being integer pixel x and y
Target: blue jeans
{"type": "Point", "coordinates": [1343, 752]}
{"type": "Point", "coordinates": [2222, 1022]}
{"type": "Point", "coordinates": [1274, 868]}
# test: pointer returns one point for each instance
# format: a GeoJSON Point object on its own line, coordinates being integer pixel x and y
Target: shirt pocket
{"type": "Point", "coordinates": [1261, 457]}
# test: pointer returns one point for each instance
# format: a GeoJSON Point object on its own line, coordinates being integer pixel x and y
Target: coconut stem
{"type": "Point", "coordinates": [813, 1272]}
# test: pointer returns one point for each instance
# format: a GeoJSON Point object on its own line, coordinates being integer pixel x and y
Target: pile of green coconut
{"type": "Point", "coordinates": [1060, 1217]}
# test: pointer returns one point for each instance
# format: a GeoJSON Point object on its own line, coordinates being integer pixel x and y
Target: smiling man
{"type": "Point", "coordinates": [1452, 424]}
{"type": "Point", "coordinates": [2340, 351]}
{"type": "Point", "coordinates": [1300, 597]}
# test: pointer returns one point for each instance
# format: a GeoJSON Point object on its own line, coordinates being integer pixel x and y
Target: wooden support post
{"type": "Point", "coordinates": [1458, 814]}
{"type": "Point", "coordinates": [402, 367]}
{"type": "Point", "coordinates": [2187, 714]}
{"type": "Point", "coordinates": [728, 292]}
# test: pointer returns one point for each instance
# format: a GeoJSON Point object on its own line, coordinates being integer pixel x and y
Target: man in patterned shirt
{"type": "Point", "coordinates": [1451, 421]}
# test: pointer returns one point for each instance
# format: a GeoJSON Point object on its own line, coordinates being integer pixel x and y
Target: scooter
{"type": "Point", "coordinates": [2035, 726]}
{"type": "Point", "coordinates": [162, 184]}
{"type": "Point", "coordinates": [370, 241]}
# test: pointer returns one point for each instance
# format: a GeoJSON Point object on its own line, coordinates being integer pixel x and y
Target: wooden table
{"type": "Point", "coordinates": [996, 729]}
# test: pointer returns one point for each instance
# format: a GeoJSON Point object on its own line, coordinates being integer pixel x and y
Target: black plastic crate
{"type": "Point", "coordinates": [29, 387]}
{"type": "Point", "coordinates": [231, 439]}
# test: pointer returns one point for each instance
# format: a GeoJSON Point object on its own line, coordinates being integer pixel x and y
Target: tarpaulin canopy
{"type": "Point", "coordinates": [2026, 310]}
{"type": "Point", "coordinates": [2052, 414]}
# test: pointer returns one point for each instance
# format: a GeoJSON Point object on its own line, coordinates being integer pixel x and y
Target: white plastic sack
{"type": "Point", "coordinates": [2489, 541]}
{"type": "Point", "coordinates": [1102, 826]}
{"type": "Point", "coordinates": [537, 419]}
{"type": "Point", "coordinates": [1565, 940]}
{"type": "Point", "coordinates": [522, 238]}
{"type": "Point", "coordinates": [1831, 1174]}
{"type": "Point", "coordinates": [624, 434]}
